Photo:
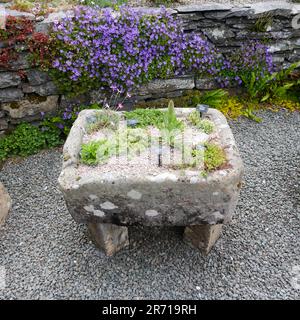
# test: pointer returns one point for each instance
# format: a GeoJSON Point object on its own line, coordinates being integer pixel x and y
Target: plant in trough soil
{"type": "Point", "coordinates": [145, 117]}
{"type": "Point", "coordinates": [170, 126]}
{"type": "Point", "coordinates": [205, 125]}
{"type": "Point", "coordinates": [89, 151]}
{"type": "Point", "coordinates": [214, 156]}
{"type": "Point", "coordinates": [104, 119]}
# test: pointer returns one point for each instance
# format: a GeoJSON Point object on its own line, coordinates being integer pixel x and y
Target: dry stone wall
{"type": "Point", "coordinates": [24, 98]}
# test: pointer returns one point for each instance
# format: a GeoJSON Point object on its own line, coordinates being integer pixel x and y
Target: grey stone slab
{"type": "Point", "coordinates": [204, 7]}
{"type": "Point", "coordinates": [5, 203]}
{"type": "Point", "coordinates": [109, 237]}
{"type": "Point", "coordinates": [37, 77]}
{"type": "Point", "coordinates": [29, 107]}
{"type": "Point", "coordinates": [9, 79]}
{"type": "Point", "coordinates": [10, 94]}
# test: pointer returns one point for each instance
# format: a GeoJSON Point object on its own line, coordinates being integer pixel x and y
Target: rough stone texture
{"type": "Point", "coordinates": [37, 77]}
{"type": "Point", "coordinates": [5, 204]}
{"type": "Point", "coordinates": [9, 79]}
{"type": "Point", "coordinates": [206, 84]}
{"type": "Point", "coordinates": [16, 13]}
{"type": "Point", "coordinates": [141, 199]}
{"type": "Point", "coordinates": [10, 94]}
{"type": "Point", "coordinates": [43, 90]}
{"type": "Point", "coordinates": [44, 26]}
{"type": "Point", "coordinates": [203, 7]}
{"type": "Point", "coordinates": [3, 125]}
{"type": "Point", "coordinates": [167, 85]}
{"type": "Point", "coordinates": [109, 237]}
{"type": "Point", "coordinates": [24, 108]}
{"type": "Point", "coordinates": [203, 237]}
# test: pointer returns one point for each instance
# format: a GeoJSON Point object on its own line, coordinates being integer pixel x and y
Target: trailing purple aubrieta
{"type": "Point", "coordinates": [119, 50]}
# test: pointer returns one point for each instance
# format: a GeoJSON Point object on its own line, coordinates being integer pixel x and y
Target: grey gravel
{"type": "Point", "coordinates": [48, 256]}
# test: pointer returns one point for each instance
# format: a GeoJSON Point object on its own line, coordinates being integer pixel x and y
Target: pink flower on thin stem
{"type": "Point", "coordinates": [120, 106]}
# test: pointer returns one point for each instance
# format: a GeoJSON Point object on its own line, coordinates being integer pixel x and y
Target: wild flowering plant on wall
{"type": "Point", "coordinates": [16, 31]}
{"type": "Point", "coordinates": [252, 58]}
{"type": "Point", "coordinates": [118, 50]}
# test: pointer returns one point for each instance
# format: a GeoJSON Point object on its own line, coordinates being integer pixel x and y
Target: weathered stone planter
{"type": "Point", "coordinates": [109, 202]}
{"type": "Point", "coordinates": [5, 204]}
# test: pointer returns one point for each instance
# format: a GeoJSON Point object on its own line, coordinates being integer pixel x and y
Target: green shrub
{"type": "Point", "coordinates": [28, 139]}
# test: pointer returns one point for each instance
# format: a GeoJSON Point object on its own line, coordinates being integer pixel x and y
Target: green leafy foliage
{"type": "Point", "coordinates": [205, 125]}
{"type": "Point", "coordinates": [214, 156]}
{"type": "Point", "coordinates": [213, 98]}
{"type": "Point", "coordinates": [89, 151]}
{"type": "Point", "coordinates": [130, 141]}
{"type": "Point", "coordinates": [170, 121]}
{"type": "Point", "coordinates": [162, 2]}
{"type": "Point", "coordinates": [27, 139]}
{"type": "Point", "coordinates": [145, 117]}
{"type": "Point", "coordinates": [276, 85]}
{"type": "Point", "coordinates": [170, 126]}
{"type": "Point", "coordinates": [64, 118]}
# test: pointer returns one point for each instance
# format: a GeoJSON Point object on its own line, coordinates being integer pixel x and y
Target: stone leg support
{"type": "Point", "coordinates": [203, 236]}
{"type": "Point", "coordinates": [109, 237]}
{"type": "Point", "coordinates": [5, 204]}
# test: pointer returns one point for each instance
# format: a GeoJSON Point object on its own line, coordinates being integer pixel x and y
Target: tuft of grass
{"type": "Point", "coordinates": [263, 23]}
{"type": "Point", "coordinates": [104, 119]}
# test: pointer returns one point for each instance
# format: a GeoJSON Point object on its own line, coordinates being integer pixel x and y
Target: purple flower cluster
{"type": "Point", "coordinates": [255, 56]}
{"type": "Point", "coordinates": [118, 50]}
{"type": "Point", "coordinates": [252, 57]}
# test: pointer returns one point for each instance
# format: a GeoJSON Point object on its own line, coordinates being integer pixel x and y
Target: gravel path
{"type": "Point", "coordinates": [46, 255]}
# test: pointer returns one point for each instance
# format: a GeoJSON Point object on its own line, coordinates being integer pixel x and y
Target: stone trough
{"type": "Point", "coordinates": [111, 202]}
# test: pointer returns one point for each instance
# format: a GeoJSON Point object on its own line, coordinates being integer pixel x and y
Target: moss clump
{"type": "Point", "coordinates": [35, 98]}
{"type": "Point", "coordinates": [14, 105]}
{"type": "Point", "coordinates": [146, 117]}
{"type": "Point", "coordinates": [205, 125]}
{"type": "Point", "coordinates": [214, 157]}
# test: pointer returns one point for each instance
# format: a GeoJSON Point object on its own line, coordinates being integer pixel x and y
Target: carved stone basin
{"type": "Point", "coordinates": [110, 199]}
